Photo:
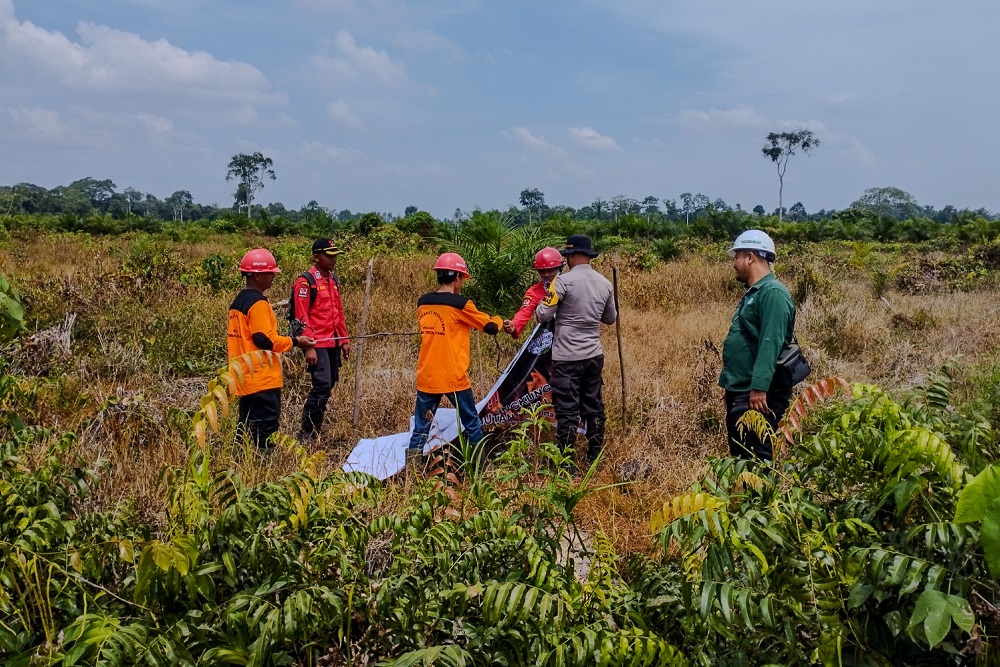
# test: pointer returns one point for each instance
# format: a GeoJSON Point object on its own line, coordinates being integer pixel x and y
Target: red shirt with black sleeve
{"type": "Point", "coordinates": [324, 319]}
{"type": "Point", "coordinates": [532, 297]}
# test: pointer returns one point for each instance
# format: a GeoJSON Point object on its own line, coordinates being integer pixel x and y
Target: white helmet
{"type": "Point", "coordinates": [756, 240]}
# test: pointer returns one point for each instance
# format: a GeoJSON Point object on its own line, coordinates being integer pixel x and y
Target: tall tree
{"type": "Point", "coordinates": [132, 199]}
{"type": "Point", "coordinates": [782, 146]}
{"type": "Point", "coordinates": [250, 172]}
{"type": "Point", "coordinates": [98, 192]}
{"type": "Point", "coordinates": [180, 201]}
{"type": "Point", "coordinates": [599, 207]}
{"type": "Point", "coordinates": [150, 203]}
{"type": "Point", "coordinates": [649, 206]}
{"type": "Point", "coordinates": [888, 202]}
{"type": "Point", "coordinates": [687, 206]}
{"type": "Point", "coordinates": [532, 199]}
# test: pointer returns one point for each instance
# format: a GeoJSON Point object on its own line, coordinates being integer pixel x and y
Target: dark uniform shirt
{"type": "Point", "coordinates": [769, 318]}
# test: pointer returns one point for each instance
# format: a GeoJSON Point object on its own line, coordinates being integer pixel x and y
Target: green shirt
{"type": "Point", "coordinates": [769, 318]}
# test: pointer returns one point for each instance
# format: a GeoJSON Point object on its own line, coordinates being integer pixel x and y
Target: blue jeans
{"type": "Point", "coordinates": [428, 403]}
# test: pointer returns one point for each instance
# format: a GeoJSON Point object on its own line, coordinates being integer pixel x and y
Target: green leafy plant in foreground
{"type": "Point", "coordinates": [871, 544]}
{"type": "Point", "coordinates": [304, 570]}
{"type": "Point", "coordinates": [849, 552]}
{"type": "Point", "coordinates": [12, 322]}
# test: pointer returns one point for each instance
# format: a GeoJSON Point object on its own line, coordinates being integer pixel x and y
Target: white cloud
{"type": "Point", "coordinates": [844, 103]}
{"type": "Point", "coordinates": [157, 124]}
{"type": "Point", "coordinates": [317, 150]}
{"type": "Point", "coordinates": [591, 138]}
{"type": "Point", "coordinates": [851, 148]}
{"type": "Point", "coordinates": [342, 114]}
{"type": "Point", "coordinates": [244, 115]}
{"type": "Point", "coordinates": [423, 40]}
{"type": "Point", "coordinates": [812, 125]}
{"type": "Point", "coordinates": [739, 117]}
{"type": "Point", "coordinates": [109, 60]}
{"type": "Point", "coordinates": [523, 136]}
{"type": "Point", "coordinates": [41, 123]}
{"type": "Point", "coordinates": [360, 63]}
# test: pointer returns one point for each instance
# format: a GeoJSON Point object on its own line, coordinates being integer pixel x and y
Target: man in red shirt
{"type": "Point", "coordinates": [320, 312]}
{"type": "Point", "coordinates": [548, 263]}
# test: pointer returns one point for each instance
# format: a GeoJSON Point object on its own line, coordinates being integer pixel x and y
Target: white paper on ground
{"type": "Point", "coordinates": [385, 456]}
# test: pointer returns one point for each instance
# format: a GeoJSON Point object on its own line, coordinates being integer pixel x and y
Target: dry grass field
{"type": "Point", "coordinates": [149, 331]}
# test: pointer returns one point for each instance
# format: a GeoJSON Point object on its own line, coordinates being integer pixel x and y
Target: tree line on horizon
{"type": "Point", "coordinates": [98, 206]}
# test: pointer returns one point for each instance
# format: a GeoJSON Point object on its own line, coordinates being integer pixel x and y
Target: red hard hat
{"type": "Point", "coordinates": [452, 261]}
{"type": "Point", "coordinates": [548, 258]}
{"type": "Point", "coordinates": [259, 260]}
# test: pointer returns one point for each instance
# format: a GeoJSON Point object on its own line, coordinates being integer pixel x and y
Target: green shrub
{"type": "Point", "coordinates": [499, 255]}
{"type": "Point", "coordinates": [12, 322]}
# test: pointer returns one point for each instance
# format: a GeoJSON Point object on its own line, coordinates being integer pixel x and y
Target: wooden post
{"type": "Point", "coordinates": [356, 416]}
{"type": "Point", "coordinates": [621, 355]}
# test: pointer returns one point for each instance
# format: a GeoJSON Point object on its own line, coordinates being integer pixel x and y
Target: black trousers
{"type": "Point", "coordinates": [576, 395]}
{"type": "Point", "coordinates": [748, 445]}
{"type": "Point", "coordinates": [257, 416]}
{"type": "Point", "coordinates": [324, 374]}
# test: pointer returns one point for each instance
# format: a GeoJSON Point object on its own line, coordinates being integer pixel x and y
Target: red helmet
{"type": "Point", "coordinates": [548, 258]}
{"type": "Point", "coordinates": [259, 260]}
{"type": "Point", "coordinates": [452, 261]}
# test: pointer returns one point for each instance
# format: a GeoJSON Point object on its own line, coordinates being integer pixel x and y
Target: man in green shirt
{"type": "Point", "coordinates": [762, 325]}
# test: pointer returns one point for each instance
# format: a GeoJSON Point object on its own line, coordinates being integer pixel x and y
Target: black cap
{"type": "Point", "coordinates": [326, 247]}
{"type": "Point", "coordinates": [580, 243]}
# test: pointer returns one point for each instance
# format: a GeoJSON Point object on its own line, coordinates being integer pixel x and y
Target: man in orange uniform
{"type": "Point", "coordinates": [548, 263]}
{"type": "Point", "coordinates": [252, 327]}
{"type": "Point", "coordinates": [445, 318]}
{"type": "Point", "coordinates": [319, 312]}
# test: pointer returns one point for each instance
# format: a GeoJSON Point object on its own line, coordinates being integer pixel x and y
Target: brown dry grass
{"type": "Point", "coordinates": [121, 390]}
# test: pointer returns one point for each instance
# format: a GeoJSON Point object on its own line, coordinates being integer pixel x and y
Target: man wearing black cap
{"type": "Point", "coordinates": [579, 300]}
{"type": "Point", "coordinates": [319, 312]}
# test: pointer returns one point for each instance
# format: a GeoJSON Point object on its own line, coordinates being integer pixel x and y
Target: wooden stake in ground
{"type": "Point", "coordinates": [356, 416]}
{"type": "Point", "coordinates": [621, 355]}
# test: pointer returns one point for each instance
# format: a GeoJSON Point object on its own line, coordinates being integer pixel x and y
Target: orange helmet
{"type": "Point", "coordinates": [452, 261]}
{"type": "Point", "coordinates": [259, 260]}
{"type": "Point", "coordinates": [548, 258]}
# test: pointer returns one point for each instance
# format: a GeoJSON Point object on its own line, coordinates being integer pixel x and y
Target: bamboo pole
{"type": "Point", "coordinates": [356, 415]}
{"type": "Point", "coordinates": [621, 355]}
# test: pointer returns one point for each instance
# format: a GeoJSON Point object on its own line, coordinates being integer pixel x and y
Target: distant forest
{"type": "Point", "coordinates": [881, 213]}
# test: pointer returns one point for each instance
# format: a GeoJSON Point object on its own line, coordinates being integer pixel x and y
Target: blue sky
{"type": "Point", "coordinates": [445, 104]}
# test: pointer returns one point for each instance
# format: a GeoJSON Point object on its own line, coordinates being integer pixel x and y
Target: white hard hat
{"type": "Point", "coordinates": [754, 239]}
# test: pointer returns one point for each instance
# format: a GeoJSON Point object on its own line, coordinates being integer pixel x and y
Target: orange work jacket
{"type": "Point", "coordinates": [253, 326]}
{"type": "Point", "coordinates": [445, 320]}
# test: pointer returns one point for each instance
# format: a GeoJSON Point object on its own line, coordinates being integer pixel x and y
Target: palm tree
{"type": "Point", "coordinates": [499, 255]}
